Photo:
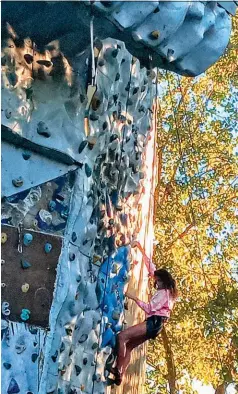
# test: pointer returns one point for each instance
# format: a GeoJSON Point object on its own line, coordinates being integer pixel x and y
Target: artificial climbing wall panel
{"type": "Point", "coordinates": [34, 267]}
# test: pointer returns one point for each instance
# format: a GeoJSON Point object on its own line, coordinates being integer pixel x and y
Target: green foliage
{"type": "Point", "coordinates": [196, 225]}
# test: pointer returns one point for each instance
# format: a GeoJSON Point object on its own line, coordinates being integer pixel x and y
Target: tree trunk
{"type": "Point", "coordinates": [170, 362]}
{"type": "Point", "coordinates": [221, 389]}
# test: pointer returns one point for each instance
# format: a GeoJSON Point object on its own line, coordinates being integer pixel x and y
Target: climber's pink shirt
{"type": "Point", "coordinates": [161, 304]}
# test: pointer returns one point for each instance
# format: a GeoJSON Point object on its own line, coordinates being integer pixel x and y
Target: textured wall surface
{"type": "Point", "coordinates": [107, 204]}
{"type": "Point", "coordinates": [82, 166]}
{"type": "Point", "coordinates": [185, 37]}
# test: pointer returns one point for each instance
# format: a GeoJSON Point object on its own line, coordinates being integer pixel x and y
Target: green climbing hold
{"type": "Point", "coordinates": [25, 264]}
{"type": "Point", "coordinates": [94, 345]}
{"type": "Point", "coordinates": [17, 182]}
{"type": "Point", "coordinates": [25, 314]}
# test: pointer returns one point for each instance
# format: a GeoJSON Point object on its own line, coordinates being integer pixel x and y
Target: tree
{"type": "Point", "coordinates": [196, 227]}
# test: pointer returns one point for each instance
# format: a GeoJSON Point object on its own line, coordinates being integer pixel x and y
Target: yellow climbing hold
{"type": "Point", "coordinates": [3, 238]}
{"type": "Point", "coordinates": [25, 287]}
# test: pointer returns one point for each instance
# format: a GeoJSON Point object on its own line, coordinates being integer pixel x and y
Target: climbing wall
{"type": "Point", "coordinates": [73, 230]}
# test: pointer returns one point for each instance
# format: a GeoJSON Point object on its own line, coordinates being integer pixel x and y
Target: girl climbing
{"type": "Point", "coordinates": [157, 310]}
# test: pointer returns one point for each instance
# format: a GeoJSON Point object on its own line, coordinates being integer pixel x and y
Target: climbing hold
{"type": "Point", "coordinates": [116, 314]}
{"type": "Point", "coordinates": [27, 239]}
{"type": "Point", "coordinates": [26, 155]}
{"type": "Point", "coordinates": [25, 264]}
{"type": "Point", "coordinates": [46, 63]}
{"type": "Point", "coordinates": [20, 345]}
{"type": "Point", "coordinates": [88, 170]}
{"type": "Point", "coordinates": [33, 330]}
{"type": "Point", "coordinates": [85, 360]}
{"type": "Point", "coordinates": [54, 357]}
{"type": "Point", "coordinates": [96, 377]}
{"type": "Point", "coordinates": [93, 117]}
{"type": "Point", "coordinates": [117, 77]}
{"type": "Point", "coordinates": [28, 58]}
{"type": "Point", "coordinates": [17, 182]}
{"type": "Point", "coordinates": [25, 288]}
{"type": "Point", "coordinates": [34, 357]}
{"type": "Point", "coordinates": [77, 369]}
{"type": "Point", "coordinates": [25, 314]}
{"type": "Point", "coordinates": [13, 387]}
{"type": "Point", "coordinates": [111, 222]}
{"type": "Point", "coordinates": [5, 308]}
{"type": "Point", "coordinates": [68, 331]}
{"type": "Point", "coordinates": [155, 34]}
{"type": "Point", "coordinates": [83, 338]}
{"type": "Point", "coordinates": [94, 345]}
{"type": "Point", "coordinates": [64, 213]}
{"type": "Point", "coordinates": [71, 256]}
{"type": "Point", "coordinates": [43, 130]}
{"type": "Point", "coordinates": [82, 146]}
{"type": "Point", "coordinates": [7, 365]}
{"type": "Point", "coordinates": [48, 247]}
{"type": "Point", "coordinates": [2, 261]}
{"type": "Point", "coordinates": [52, 205]}
{"type": "Point", "coordinates": [105, 125]}
{"type": "Point", "coordinates": [115, 53]}
{"type": "Point", "coordinates": [3, 238]}
{"type": "Point", "coordinates": [74, 237]}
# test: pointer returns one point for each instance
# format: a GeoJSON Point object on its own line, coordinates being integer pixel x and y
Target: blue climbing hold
{"type": "Point", "coordinates": [107, 337]}
{"type": "Point", "coordinates": [25, 314]}
{"type": "Point", "coordinates": [25, 264]}
{"type": "Point", "coordinates": [51, 205]}
{"type": "Point", "coordinates": [48, 247]}
{"type": "Point", "coordinates": [27, 239]}
{"type": "Point", "coordinates": [13, 387]}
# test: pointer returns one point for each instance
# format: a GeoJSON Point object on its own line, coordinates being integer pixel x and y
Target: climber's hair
{"type": "Point", "coordinates": [168, 281]}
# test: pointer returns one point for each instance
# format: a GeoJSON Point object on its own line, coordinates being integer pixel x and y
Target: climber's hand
{"type": "Point", "coordinates": [131, 296]}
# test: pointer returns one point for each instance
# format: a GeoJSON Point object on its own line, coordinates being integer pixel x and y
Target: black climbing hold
{"type": "Point", "coordinates": [127, 139]}
{"type": "Point", "coordinates": [123, 61]}
{"type": "Point", "coordinates": [135, 90]}
{"type": "Point", "coordinates": [83, 338]}
{"type": "Point", "coordinates": [26, 155]}
{"type": "Point", "coordinates": [104, 126]}
{"type": "Point", "coordinates": [143, 89]}
{"type": "Point", "coordinates": [101, 62]}
{"type": "Point", "coordinates": [82, 146]}
{"type": "Point", "coordinates": [43, 130]}
{"type": "Point", "coordinates": [68, 331]}
{"type": "Point", "coordinates": [85, 242]}
{"type": "Point", "coordinates": [25, 264]}
{"type": "Point", "coordinates": [115, 97]}
{"type": "Point", "coordinates": [71, 256]}
{"type": "Point", "coordinates": [13, 387]}
{"type": "Point", "coordinates": [115, 53]}
{"type": "Point", "coordinates": [29, 392]}
{"type": "Point", "coordinates": [7, 365]}
{"type": "Point", "coordinates": [94, 345]}
{"type": "Point", "coordinates": [88, 170]}
{"type": "Point", "coordinates": [71, 352]}
{"type": "Point", "coordinates": [35, 343]}
{"type": "Point", "coordinates": [85, 360]}
{"type": "Point", "coordinates": [129, 102]}
{"type": "Point", "coordinates": [34, 357]}
{"type": "Point", "coordinates": [28, 58]}
{"type": "Point", "coordinates": [62, 347]}
{"type": "Point", "coordinates": [78, 369]}
{"type": "Point", "coordinates": [46, 63]}
{"type": "Point", "coordinates": [117, 77]}
{"type": "Point", "coordinates": [74, 237]}
{"type": "Point", "coordinates": [93, 117]}
{"type": "Point", "coordinates": [54, 357]}
{"type": "Point", "coordinates": [113, 137]}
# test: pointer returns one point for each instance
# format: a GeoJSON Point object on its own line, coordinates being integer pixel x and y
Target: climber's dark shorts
{"type": "Point", "coordinates": [154, 325]}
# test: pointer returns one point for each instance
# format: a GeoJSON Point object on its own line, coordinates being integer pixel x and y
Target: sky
{"type": "Point", "coordinates": [209, 389]}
